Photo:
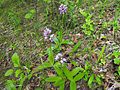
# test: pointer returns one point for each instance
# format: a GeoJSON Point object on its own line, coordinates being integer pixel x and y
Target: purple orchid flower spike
{"type": "Point", "coordinates": [62, 9]}
{"type": "Point", "coordinates": [46, 33]}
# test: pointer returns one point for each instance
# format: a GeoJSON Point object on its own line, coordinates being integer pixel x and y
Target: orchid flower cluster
{"type": "Point", "coordinates": [47, 35]}
{"type": "Point", "coordinates": [59, 56]}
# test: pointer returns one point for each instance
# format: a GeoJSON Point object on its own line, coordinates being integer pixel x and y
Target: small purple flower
{"type": "Point", "coordinates": [46, 33]}
{"type": "Point", "coordinates": [62, 9]}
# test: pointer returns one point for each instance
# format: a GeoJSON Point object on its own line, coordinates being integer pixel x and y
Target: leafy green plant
{"type": "Point", "coordinates": [59, 41]}
{"type": "Point", "coordinates": [117, 60]}
{"type": "Point", "coordinates": [13, 18]}
{"type": "Point", "coordinates": [30, 14]}
{"type": "Point", "coordinates": [101, 56]}
{"type": "Point", "coordinates": [63, 75]}
{"type": "Point", "coordinates": [75, 48]}
{"type": "Point", "coordinates": [88, 25]}
{"type": "Point", "coordinates": [18, 72]}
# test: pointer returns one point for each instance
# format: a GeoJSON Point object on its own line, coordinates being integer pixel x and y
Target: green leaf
{"type": "Point", "coordinates": [56, 41]}
{"type": "Point", "coordinates": [32, 11]}
{"type": "Point", "coordinates": [119, 70]}
{"type": "Point", "coordinates": [58, 71]}
{"type": "Point", "coordinates": [67, 42]}
{"type": "Point", "coordinates": [10, 85]}
{"type": "Point", "coordinates": [87, 65]}
{"type": "Point", "coordinates": [72, 85]}
{"type": "Point", "coordinates": [59, 82]}
{"type": "Point", "coordinates": [98, 80]}
{"type": "Point", "coordinates": [74, 63]}
{"type": "Point", "coordinates": [116, 54]}
{"type": "Point", "coordinates": [76, 47]}
{"type": "Point", "coordinates": [60, 37]}
{"type": "Point", "coordinates": [50, 56]}
{"type": "Point", "coordinates": [9, 72]}
{"type": "Point", "coordinates": [117, 61]}
{"type": "Point", "coordinates": [22, 79]}
{"type": "Point", "coordinates": [101, 53]}
{"type": "Point", "coordinates": [83, 13]}
{"type": "Point", "coordinates": [62, 86]}
{"type": "Point", "coordinates": [43, 66]}
{"type": "Point", "coordinates": [75, 71]}
{"type": "Point", "coordinates": [91, 79]}
{"type": "Point", "coordinates": [15, 60]}
{"type": "Point", "coordinates": [52, 79]}
{"type": "Point", "coordinates": [17, 72]}
{"type": "Point", "coordinates": [79, 76]}
{"type": "Point", "coordinates": [47, 1]}
{"type": "Point", "coordinates": [67, 73]}
{"type": "Point", "coordinates": [28, 15]}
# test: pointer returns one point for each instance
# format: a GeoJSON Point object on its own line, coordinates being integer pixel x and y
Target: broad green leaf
{"type": "Point", "coordinates": [58, 71]}
{"type": "Point", "coordinates": [52, 79]}
{"type": "Point", "coordinates": [16, 60]}
{"type": "Point", "coordinates": [72, 85]}
{"type": "Point", "coordinates": [43, 66]}
{"type": "Point", "coordinates": [17, 72]}
{"type": "Point", "coordinates": [67, 73]}
{"type": "Point", "coordinates": [9, 72]}
{"type": "Point", "coordinates": [62, 86]}
{"type": "Point", "coordinates": [57, 64]}
{"type": "Point", "coordinates": [59, 82]}
{"type": "Point", "coordinates": [50, 56]}
{"type": "Point", "coordinates": [76, 47]}
{"type": "Point", "coordinates": [91, 79]}
{"type": "Point", "coordinates": [79, 76]}
{"type": "Point", "coordinates": [28, 15]}
{"type": "Point", "coordinates": [117, 61]}
{"type": "Point", "coordinates": [75, 71]}
{"type": "Point", "coordinates": [10, 85]}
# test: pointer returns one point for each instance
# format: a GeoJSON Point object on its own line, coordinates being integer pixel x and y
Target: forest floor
{"type": "Point", "coordinates": [25, 36]}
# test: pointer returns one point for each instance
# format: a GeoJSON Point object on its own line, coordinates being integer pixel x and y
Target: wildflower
{"type": "Point", "coordinates": [62, 9]}
{"type": "Point", "coordinates": [52, 37]}
{"type": "Point", "coordinates": [46, 33]}
{"type": "Point", "coordinates": [63, 60]}
{"type": "Point", "coordinates": [58, 56]}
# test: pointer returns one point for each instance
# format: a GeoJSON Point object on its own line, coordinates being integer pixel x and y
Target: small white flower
{"type": "Point", "coordinates": [58, 56]}
{"type": "Point", "coordinates": [64, 59]}
{"type": "Point", "coordinates": [51, 37]}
